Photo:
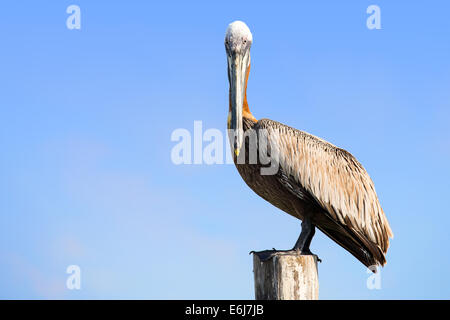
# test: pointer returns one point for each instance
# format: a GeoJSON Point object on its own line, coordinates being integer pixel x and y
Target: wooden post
{"type": "Point", "coordinates": [285, 276]}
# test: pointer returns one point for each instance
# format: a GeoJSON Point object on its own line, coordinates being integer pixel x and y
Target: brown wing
{"type": "Point", "coordinates": [339, 184]}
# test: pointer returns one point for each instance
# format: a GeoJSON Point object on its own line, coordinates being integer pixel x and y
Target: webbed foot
{"type": "Point", "coordinates": [266, 255]}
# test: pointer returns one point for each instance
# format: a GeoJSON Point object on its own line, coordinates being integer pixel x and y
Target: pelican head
{"type": "Point", "coordinates": [238, 40]}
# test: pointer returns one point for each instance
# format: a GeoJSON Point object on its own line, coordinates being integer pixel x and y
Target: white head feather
{"type": "Point", "coordinates": [238, 30]}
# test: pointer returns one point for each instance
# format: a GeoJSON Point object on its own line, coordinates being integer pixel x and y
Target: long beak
{"type": "Point", "coordinates": [237, 68]}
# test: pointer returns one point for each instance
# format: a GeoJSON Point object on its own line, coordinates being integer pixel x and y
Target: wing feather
{"type": "Point", "coordinates": [334, 178]}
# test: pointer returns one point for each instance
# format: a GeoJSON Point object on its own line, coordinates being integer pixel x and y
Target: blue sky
{"type": "Point", "coordinates": [86, 118]}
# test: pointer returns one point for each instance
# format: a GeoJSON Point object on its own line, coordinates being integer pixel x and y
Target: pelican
{"type": "Point", "coordinates": [322, 185]}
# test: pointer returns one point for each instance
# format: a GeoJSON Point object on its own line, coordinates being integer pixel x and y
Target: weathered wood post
{"type": "Point", "coordinates": [286, 276]}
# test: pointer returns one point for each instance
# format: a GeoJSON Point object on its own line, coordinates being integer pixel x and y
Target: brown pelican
{"type": "Point", "coordinates": [322, 185]}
